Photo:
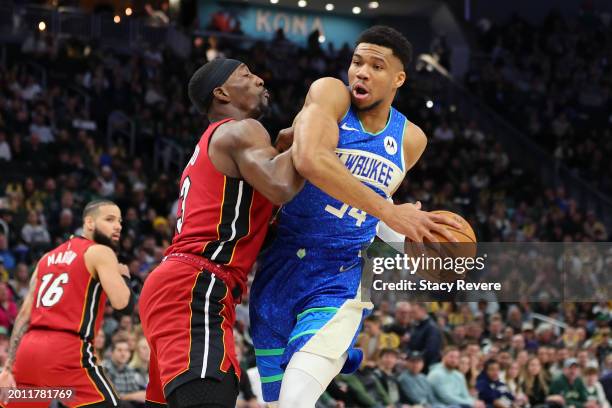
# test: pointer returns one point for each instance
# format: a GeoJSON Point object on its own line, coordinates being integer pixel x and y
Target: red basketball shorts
{"type": "Point", "coordinates": [187, 315]}
{"type": "Point", "coordinates": [53, 359]}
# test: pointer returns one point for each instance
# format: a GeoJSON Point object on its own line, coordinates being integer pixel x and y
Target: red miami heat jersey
{"type": "Point", "coordinates": [220, 218]}
{"type": "Point", "coordinates": [67, 298]}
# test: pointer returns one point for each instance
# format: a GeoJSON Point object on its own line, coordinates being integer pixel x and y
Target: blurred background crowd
{"type": "Point", "coordinates": [558, 76]}
{"type": "Point", "coordinates": [63, 142]}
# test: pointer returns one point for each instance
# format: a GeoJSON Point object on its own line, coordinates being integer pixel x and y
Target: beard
{"type": "Point", "coordinates": [262, 110]}
{"type": "Point", "coordinates": [102, 239]}
{"type": "Point", "coordinates": [369, 107]}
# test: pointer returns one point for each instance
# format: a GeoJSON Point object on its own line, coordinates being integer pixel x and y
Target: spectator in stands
{"type": "Point", "coordinates": [21, 283]}
{"type": "Point", "coordinates": [444, 133]}
{"type": "Point", "coordinates": [426, 336]}
{"type": "Point", "coordinates": [385, 373]}
{"type": "Point", "coordinates": [512, 377]}
{"type": "Point", "coordinates": [529, 335]}
{"type": "Point", "coordinates": [560, 354]}
{"type": "Point", "coordinates": [6, 256]}
{"type": "Point", "coordinates": [585, 359]}
{"type": "Point", "coordinates": [469, 367]}
{"type": "Point", "coordinates": [413, 383]}
{"type": "Point", "coordinates": [372, 340]}
{"type": "Point", "coordinates": [140, 358]}
{"type": "Point", "coordinates": [595, 391]}
{"type": "Point", "coordinates": [8, 308]}
{"type": "Point", "coordinates": [569, 386]}
{"type": "Point", "coordinates": [448, 383]}
{"type": "Point", "coordinates": [5, 147]}
{"type": "Point", "coordinates": [534, 383]}
{"type": "Point", "coordinates": [517, 344]}
{"type": "Point", "coordinates": [494, 332]}
{"type": "Point", "coordinates": [606, 377]}
{"type": "Point", "coordinates": [401, 324]}
{"type": "Point", "coordinates": [100, 346]}
{"type": "Point", "coordinates": [34, 233]}
{"type": "Point", "coordinates": [158, 17]}
{"type": "Point", "coordinates": [127, 381]}
{"type": "Point", "coordinates": [361, 390]}
{"type": "Point", "coordinates": [213, 51]}
{"type": "Point", "coordinates": [491, 390]}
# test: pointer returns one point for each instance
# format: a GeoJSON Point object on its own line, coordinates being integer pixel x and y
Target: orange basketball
{"type": "Point", "coordinates": [465, 248]}
{"type": "Point", "coordinates": [465, 234]}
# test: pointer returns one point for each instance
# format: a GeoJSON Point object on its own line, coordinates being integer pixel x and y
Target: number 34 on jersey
{"type": "Point", "coordinates": [357, 214]}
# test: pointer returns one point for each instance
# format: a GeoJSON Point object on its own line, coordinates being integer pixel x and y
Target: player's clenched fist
{"type": "Point", "coordinates": [124, 270]}
{"type": "Point", "coordinates": [6, 381]}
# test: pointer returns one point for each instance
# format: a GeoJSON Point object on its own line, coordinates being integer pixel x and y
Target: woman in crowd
{"type": "Point", "coordinates": [534, 382]}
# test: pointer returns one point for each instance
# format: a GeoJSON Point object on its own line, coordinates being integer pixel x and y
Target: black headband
{"type": "Point", "coordinates": [208, 77]}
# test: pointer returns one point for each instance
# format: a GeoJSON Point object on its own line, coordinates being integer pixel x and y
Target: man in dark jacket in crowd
{"type": "Point", "coordinates": [425, 336]}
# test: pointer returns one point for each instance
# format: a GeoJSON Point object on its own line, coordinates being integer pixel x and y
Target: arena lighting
{"type": "Point", "coordinates": [117, 19]}
{"type": "Point", "coordinates": [42, 26]}
{"type": "Point", "coordinates": [274, 1]}
{"type": "Point", "coordinates": [128, 11]}
{"type": "Point", "coordinates": [329, 6]}
{"type": "Point", "coordinates": [373, 5]}
{"type": "Point", "coordinates": [321, 39]}
{"type": "Point", "coordinates": [302, 3]}
{"type": "Point", "coordinates": [356, 10]}
{"type": "Point", "coordinates": [429, 104]}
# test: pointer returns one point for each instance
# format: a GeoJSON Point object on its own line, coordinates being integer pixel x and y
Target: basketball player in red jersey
{"type": "Point", "coordinates": [227, 191]}
{"type": "Point", "coordinates": [51, 345]}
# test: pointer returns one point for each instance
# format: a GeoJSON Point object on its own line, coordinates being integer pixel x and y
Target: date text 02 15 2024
{"type": "Point", "coordinates": [36, 394]}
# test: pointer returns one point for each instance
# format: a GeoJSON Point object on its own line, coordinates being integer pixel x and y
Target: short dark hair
{"type": "Point", "coordinates": [388, 37]}
{"type": "Point", "coordinates": [388, 350]}
{"type": "Point", "coordinates": [119, 341]}
{"type": "Point", "coordinates": [95, 205]}
{"type": "Point", "coordinates": [448, 349]}
{"type": "Point", "coordinates": [373, 319]}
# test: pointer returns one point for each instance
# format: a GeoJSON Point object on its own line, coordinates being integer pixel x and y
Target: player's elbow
{"type": "Point", "coordinates": [120, 301]}
{"type": "Point", "coordinates": [305, 163]}
{"type": "Point", "coordinates": [282, 193]}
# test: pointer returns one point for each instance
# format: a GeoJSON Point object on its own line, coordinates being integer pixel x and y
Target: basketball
{"type": "Point", "coordinates": [465, 234]}
{"type": "Point", "coordinates": [465, 248]}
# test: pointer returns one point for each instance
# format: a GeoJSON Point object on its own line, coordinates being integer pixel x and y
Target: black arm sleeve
{"type": "Point", "coordinates": [131, 303]}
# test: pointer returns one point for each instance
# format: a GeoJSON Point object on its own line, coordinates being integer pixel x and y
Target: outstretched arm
{"type": "Point", "coordinates": [259, 163]}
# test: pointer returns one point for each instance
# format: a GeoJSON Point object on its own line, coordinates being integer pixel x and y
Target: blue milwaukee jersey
{"type": "Point", "coordinates": [315, 219]}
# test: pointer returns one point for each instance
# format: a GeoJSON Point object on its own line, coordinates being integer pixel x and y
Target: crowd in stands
{"type": "Point", "coordinates": [54, 157]}
{"type": "Point", "coordinates": [553, 81]}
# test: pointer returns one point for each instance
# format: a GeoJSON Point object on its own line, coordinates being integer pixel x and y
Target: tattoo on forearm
{"type": "Point", "coordinates": [18, 332]}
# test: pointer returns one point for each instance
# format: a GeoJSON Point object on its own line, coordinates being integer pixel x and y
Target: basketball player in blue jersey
{"type": "Point", "coordinates": [354, 149]}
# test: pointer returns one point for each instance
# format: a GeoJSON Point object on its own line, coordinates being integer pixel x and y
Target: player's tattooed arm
{"type": "Point", "coordinates": [22, 322]}
{"type": "Point", "coordinates": [259, 163]}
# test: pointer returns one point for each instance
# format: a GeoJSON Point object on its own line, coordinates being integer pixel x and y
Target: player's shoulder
{"type": "Point", "coordinates": [413, 134]}
{"type": "Point", "coordinates": [97, 252]}
{"type": "Point", "coordinates": [331, 94]}
{"type": "Point", "coordinates": [328, 83]}
{"type": "Point", "coordinates": [240, 133]}
{"type": "Point", "coordinates": [329, 87]}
